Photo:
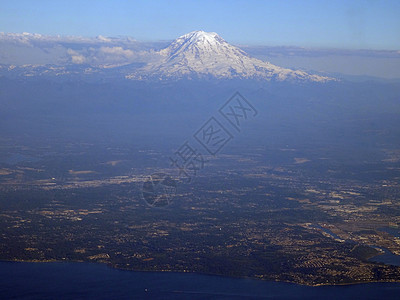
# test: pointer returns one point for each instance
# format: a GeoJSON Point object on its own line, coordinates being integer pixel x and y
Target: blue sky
{"type": "Point", "coordinates": [339, 24]}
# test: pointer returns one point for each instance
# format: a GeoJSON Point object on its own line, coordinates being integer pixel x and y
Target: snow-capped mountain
{"type": "Point", "coordinates": [200, 54]}
{"type": "Point", "coordinates": [196, 55]}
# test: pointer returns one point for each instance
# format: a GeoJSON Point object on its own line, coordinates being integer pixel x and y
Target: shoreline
{"type": "Point", "coordinates": [199, 273]}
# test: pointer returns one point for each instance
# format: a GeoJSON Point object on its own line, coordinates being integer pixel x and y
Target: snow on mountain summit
{"type": "Point", "coordinates": [197, 43]}
{"type": "Point", "coordinates": [205, 54]}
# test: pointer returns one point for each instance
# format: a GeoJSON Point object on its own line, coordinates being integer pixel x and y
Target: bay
{"type": "Point", "coordinates": [59, 280]}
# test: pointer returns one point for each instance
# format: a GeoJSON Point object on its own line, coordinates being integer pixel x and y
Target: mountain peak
{"type": "Point", "coordinates": [200, 54]}
{"type": "Point", "coordinates": [200, 35]}
{"type": "Point", "coordinates": [199, 41]}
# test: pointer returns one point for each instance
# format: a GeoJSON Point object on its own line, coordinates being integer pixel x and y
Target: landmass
{"type": "Point", "coordinates": [302, 219]}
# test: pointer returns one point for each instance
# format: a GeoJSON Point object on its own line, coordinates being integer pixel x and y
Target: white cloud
{"type": "Point", "coordinates": [102, 55]}
{"type": "Point", "coordinates": [103, 39]}
{"type": "Point", "coordinates": [117, 51]}
{"type": "Point", "coordinates": [96, 51]}
{"type": "Point", "coordinates": [76, 58]}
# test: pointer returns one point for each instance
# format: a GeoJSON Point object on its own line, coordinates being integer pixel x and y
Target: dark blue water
{"type": "Point", "coordinates": [328, 231]}
{"type": "Point", "coordinates": [391, 230]}
{"type": "Point", "coordinates": [388, 257]}
{"type": "Point", "coordinates": [96, 281]}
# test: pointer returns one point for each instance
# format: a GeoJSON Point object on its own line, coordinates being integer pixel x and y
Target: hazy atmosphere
{"type": "Point", "coordinates": [356, 38]}
{"type": "Point", "coordinates": [199, 149]}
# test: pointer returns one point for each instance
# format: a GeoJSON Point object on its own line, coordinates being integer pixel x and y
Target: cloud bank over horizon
{"type": "Point", "coordinates": [37, 49]}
